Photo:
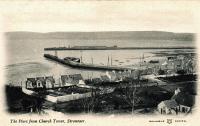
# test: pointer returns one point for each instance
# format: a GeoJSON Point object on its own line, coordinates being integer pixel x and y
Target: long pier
{"type": "Point", "coordinates": [111, 48]}
{"type": "Point", "coordinates": [83, 65]}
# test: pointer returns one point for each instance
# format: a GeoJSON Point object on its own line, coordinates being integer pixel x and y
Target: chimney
{"type": "Point", "coordinates": [177, 91]}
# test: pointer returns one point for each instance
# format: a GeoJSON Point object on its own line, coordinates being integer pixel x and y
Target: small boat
{"type": "Point", "coordinates": [153, 61]}
{"type": "Point", "coordinates": [74, 59]}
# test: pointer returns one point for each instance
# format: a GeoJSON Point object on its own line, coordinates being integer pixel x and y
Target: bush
{"type": "Point", "coordinates": [161, 72]}
{"type": "Point", "coordinates": [181, 72]}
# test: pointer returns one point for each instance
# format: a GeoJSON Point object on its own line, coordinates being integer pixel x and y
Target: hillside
{"type": "Point", "coordinates": [135, 35]}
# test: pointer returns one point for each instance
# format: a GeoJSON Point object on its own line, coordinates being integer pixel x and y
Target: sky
{"type": "Point", "coordinates": [89, 16]}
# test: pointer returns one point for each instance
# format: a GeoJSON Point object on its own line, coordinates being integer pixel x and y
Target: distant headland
{"type": "Point", "coordinates": [120, 35]}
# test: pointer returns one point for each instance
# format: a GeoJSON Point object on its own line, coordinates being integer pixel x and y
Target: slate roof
{"type": "Point", "coordinates": [169, 103]}
{"type": "Point", "coordinates": [31, 79]}
{"type": "Point", "coordinates": [50, 78]}
{"type": "Point", "coordinates": [76, 76]}
{"type": "Point", "coordinates": [40, 78]}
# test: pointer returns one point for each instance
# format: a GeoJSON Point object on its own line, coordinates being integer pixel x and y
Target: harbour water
{"type": "Point", "coordinates": [25, 56]}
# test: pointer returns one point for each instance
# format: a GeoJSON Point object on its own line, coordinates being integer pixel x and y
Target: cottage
{"type": "Point", "coordinates": [180, 102]}
{"type": "Point", "coordinates": [105, 78]}
{"type": "Point", "coordinates": [168, 107]}
{"type": "Point", "coordinates": [119, 77]}
{"type": "Point", "coordinates": [126, 74]}
{"type": "Point", "coordinates": [185, 101]}
{"type": "Point", "coordinates": [69, 80]}
{"type": "Point", "coordinates": [96, 80]}
{"type": "Point", "coordinates": [112, 76]}
{"type": "Point", "coordinates": [171, 58]}
{"type": "Point", "coordinates": [30, 83]}
{"type": "Point", "coordinates": [49, 81]}
{"type": "Point", "coordinates": [64, 79]}
{"type": "Point", "coordinates": [178, 64]}
{"type": "Point", "coordinates": [81, 82]}
{"type": "Point", "coordinates": [40, 82]}
{"type": "Point", "coordinates": [184, 109]}
{"type": "Point", "coordinates": [76, 76]}
{"type": "Point", "coordinates": [134, 74]}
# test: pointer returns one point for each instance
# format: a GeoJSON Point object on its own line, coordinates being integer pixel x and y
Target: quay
{"type": "Point", "coordinates": [85, 66]}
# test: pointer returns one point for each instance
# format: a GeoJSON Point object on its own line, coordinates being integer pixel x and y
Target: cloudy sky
{"type": "Point", "coordinates": [97, 16]}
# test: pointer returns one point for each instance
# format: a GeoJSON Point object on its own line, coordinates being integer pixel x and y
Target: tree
{"type": "Point", "coordinates": [161, 72]}
{"type": "Point", "coordinates": [130, 97]}
{"type": "Point", "coordinates": [181, 72]}
{"type": "Point", "coordinates": [88, 103]}
{"type": "Point", "coordinates": [130, 92]}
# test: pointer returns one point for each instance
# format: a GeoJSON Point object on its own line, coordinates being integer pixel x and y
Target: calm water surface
{"type": "Point", "coordinates": [25, 56]}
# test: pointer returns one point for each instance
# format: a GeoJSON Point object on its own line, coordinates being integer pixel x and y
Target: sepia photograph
{"type": "Point", "coordinates": [99, 58]}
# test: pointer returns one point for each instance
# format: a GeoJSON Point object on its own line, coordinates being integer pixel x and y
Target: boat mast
{"type": "Point", "coordinates": [108, 61]}
{"type": "Point", "coordinates": [81, 56]}
{"type": "Point", "coordinates": [143, 58]}
{"type": "Point", "coordinates": [56, 53]}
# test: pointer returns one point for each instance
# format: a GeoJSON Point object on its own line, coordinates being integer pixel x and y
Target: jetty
{"type": "Point", "coordinates": [85, 66]}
